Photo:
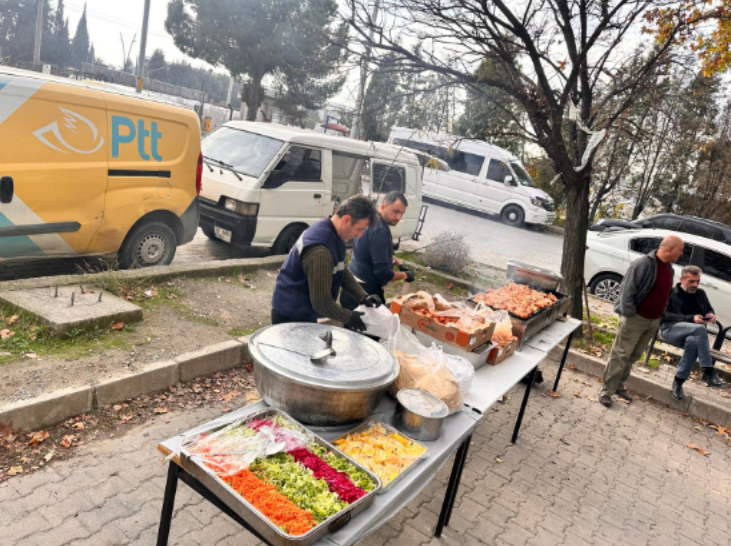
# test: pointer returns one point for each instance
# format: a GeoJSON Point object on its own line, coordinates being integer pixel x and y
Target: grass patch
{"type": "Point", "coordinates": [31, 337]}
{"type": "Point", "coordinates": [604, 338]}
{"type": "Point", "coordinates": [409, 256]}
{"type": "Point", "coordinates": [240, 332]}
{"type": "Point", "coordinates": [653, 363]}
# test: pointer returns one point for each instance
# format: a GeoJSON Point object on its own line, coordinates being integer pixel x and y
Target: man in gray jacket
{"type": "Point", "coordinates": [643, 297]}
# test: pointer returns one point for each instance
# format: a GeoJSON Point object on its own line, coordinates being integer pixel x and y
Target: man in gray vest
{"type": "Point", "coordinates": [314, 272]}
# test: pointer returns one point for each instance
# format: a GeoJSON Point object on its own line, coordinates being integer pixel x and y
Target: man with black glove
{"type": "Point", "coordinates": [314, 272]}
{"type": "Point", "coordinates": [373, 260]}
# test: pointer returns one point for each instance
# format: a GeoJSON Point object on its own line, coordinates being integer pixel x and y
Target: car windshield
{"type": "Point", "coordinates": [247, 153]}
{"type": "Point", "coordinates": [522, 174]}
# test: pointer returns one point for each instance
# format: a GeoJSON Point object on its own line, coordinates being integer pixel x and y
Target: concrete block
{"type": "Point", "coordinates": [85, 313]}
{"type": "Point", "coordinates": [155, 377]}
{"type": "Point", "coordinates": [708, 411]}
{"type": "Point", "coordinates": [211, 359]}
{"type": "Point", "coordinates": [48, 410]}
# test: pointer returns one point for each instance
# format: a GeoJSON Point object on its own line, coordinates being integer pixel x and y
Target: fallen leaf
{"type": "Point", "coordinates": [623, 400]}
{"type": "Point", "coordinates": [270, 274]}
{"type": "Point", "coordinates": [117, 407]}
{"type": "Point", "coordinates": [228, 280]}
{"type": "Point", "coordinates": [78, 426]}
{"type": "Point", "coordinates": [499, 460]}
{"type": "Point", "coordinates": [30, 355]}
{"type": "Point", "coordinates": [553, 394]}
{"type": "Point", "coordinates": [699, 449]}
{"type": "Point", "coordinates": [12, 319]}
{"type": "Point", "coordinates": [15, 470]}
{"type": "Point", "coordinates": [5, 334]}
{"type": "Point", "coordinates": [577, 394]}
{"type": "Point", "coordinates": [117, 326]}
{"type": "Point", "coordinates": [48, 456]}
{"type": "Point", "coordinates": [572, 366]}
{"type": "Point", "coordinates": [449, 285]}
{"type": "Point", "coordinates": [225, 315]}
{"type": "Point", "coordinates": [160, 409]}
{"type": "Point", "coordinates": [172, 297]}
{"type": "Point", "coordinates": [226, 409]}
{"type": "Point", "coordinates": [67, 441]}
{"type": "Point", "coordinates": [37, 437]}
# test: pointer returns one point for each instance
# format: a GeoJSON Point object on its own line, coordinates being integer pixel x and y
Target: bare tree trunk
{"type": "Point", "coordinates": [574, 242]}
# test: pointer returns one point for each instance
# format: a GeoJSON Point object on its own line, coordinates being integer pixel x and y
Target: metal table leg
{"type": "Point", "coordinates": [528, 388]}
{"type": "Point", "coordinates": [452, 487]}
{"type": "Point", "coordinates": [563, 362]}
{"type": "Point", "coordinates": [168, 503]}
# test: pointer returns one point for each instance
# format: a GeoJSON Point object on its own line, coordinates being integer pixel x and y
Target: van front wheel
{"type": "Point", "coordinates": [148, 245]}
{"type": "Point", "coordinates": [287, 239]}
{"type": "Point", "coordinates": [513, 215]}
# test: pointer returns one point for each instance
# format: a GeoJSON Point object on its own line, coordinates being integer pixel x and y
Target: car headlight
{"type": "Point", "coordinates": [537, 201]}
{"type": "Point", "coordinates": [239, 207]}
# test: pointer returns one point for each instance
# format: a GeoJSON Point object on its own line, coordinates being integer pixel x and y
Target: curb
{"type": "Point", "coordinates": [56, 407]}
{"type": "Point", "coordinates": [558, 230]}
{"type": "Point", "coordinates": [202, 269]}
{"type": "Point", "coordinates": [703, 409]}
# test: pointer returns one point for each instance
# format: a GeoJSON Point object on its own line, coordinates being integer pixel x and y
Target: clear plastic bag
{"type": "Point", "coordinates": [379, 321]}
{"type": "Point", "coordinates": [424, 368]}
{"type": "Point", "coordinates": [503, 333]}
{"type": "Point", "coordinates": [462, 370]}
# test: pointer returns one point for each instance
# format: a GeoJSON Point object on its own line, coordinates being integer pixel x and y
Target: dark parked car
{"type": "Point", "coordinates": [684, 224]}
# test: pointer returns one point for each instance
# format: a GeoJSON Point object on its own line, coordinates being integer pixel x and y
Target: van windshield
{"type": "Point", "coordinates": [522, 174]}
{"type": "Point", "coordinates": [247, 153]}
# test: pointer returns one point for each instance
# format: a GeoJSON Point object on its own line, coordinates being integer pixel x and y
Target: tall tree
{"type": "Point", "coordinates": [61, 39]}
{"type": "Point", "coordinates": [287, 41]}
{"type": "Point", "coordinates": [491, 114]}
{"type": "Point", "coordinates": [156, 63]}
{"type": "Point", "coordinates": [17, 29]}
{"type": "Point", "coordinates": [554, 55]}
{"type": "Point", "coordinates": [80, 43]}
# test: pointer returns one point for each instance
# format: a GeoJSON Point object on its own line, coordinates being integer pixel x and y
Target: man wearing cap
{"type": "Point", "coordinates": [314, 272]}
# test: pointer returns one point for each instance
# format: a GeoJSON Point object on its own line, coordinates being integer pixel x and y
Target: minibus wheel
{"type": "Point", "coordinates": [287, 239]}
{"type": "Point", "coordinates": [148, 245]}
{"type": "Point", "coordinates": [513, 215]}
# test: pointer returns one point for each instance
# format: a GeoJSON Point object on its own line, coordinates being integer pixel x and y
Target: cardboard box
{"type": "Point", "coordinates": [448, 334]}
{"type": "Point", "coordinates": [498, 354]}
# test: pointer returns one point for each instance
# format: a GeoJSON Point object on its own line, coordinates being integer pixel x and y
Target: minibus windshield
{"type": "Point", "coordinates": [246, 153]}
{"type": "Point", "coordinates": [522, 174]}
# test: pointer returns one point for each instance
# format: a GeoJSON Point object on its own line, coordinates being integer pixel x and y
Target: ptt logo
{"type": "Point", "coordinates": [124, 131]}
{"type": "Point", "coordinates": [76, 134]}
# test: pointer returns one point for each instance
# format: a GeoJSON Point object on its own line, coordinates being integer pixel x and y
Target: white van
{"type": "Point", "coordinates": [264, 184]}
{"type": "Point", "coordinates": [481, 177]}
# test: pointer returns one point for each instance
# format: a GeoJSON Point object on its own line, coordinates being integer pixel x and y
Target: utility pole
{"type": "Point", "coordinates": [143, 46]}
{"type": "Point", "coordinates": [229, 95]}
{"type": "Point", "coordinates": [39, 33]}
{"type": "Point", "coordinates": [357, 119]}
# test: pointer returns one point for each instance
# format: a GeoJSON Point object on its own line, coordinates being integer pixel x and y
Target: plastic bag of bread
{"type": "Point", "coordinates": [417, 300]}
{"type": "Point", "coordinates": [423, 368]}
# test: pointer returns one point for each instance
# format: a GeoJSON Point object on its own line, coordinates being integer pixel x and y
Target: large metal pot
{"type": "Point", "coordinates": [295, 372]}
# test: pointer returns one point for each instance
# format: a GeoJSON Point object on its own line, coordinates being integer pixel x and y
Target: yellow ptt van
{"type": "Point", "coordinates": [87, 170]}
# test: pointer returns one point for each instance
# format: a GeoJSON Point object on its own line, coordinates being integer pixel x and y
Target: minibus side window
{"type": "Point", "coordinates": [299, 164]}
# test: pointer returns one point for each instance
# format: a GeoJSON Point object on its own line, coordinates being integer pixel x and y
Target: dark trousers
{"type": "Point", "coordinates": [278, 318]}
{"type": "Point", "coordinates": [348, 301]}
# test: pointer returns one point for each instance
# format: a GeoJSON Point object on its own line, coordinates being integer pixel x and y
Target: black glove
{"type": "Point", "coordinates": [372, 301]}
{"type": "Point", "coordinates": [403, 268]}
{"type": "Point", "coordinates": [409, 275]}
{"type": "Point", "coordinates": [356, 323]}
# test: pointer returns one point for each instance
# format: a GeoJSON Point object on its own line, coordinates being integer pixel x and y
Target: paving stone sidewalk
{"type": "Point", "coordinates": [579, 475]}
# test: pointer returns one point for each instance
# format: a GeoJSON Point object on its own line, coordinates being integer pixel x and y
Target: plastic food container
{"type": "Point", "coordinates": [420, 414]}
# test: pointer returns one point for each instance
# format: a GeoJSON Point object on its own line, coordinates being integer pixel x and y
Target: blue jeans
{"type": "Point", "coordinates": [693, 338]}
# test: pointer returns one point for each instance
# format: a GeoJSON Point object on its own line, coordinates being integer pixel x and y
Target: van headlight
{"type": "Point", "coordinates": [542, 203]}
{"type": "Point", "coordinates": [239, 207]}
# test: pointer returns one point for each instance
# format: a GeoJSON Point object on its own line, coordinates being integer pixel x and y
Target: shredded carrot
{"type": "Point", "coordinates": [264, 497]}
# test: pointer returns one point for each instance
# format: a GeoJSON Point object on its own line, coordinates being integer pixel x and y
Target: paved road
{"type": "Point", "coordinates": [492, 243]}
{"type": "Point", "coordinates": [579, 475]}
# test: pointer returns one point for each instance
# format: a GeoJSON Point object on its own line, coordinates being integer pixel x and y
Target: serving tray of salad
{"type": "Point", "coordinates": [290, 485]}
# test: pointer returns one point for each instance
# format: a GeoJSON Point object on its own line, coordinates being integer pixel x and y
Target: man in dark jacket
{"type": "Point", "coordinates": [373, 260]}
{"type": "Point", "coordinates": [643, 298]}
{"type": "Point", "coordinates": [309, 282]}
{"type": "Point", "coordinates": [684, 325]}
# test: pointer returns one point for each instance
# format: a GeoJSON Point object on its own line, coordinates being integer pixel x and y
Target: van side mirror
{"type": "Point", "coordinates": [508, 180]}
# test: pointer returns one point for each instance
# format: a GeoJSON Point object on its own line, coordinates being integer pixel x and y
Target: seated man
{"type": "Point", "coordinates": [684, 325]}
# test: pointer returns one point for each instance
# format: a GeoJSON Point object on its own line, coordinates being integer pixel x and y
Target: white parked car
{"type": "Point", "coordinates": [609, 254]}
{"type": "Point", "coordinates": [479, 176]}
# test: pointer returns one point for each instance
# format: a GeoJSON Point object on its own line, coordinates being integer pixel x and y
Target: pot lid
{"type": "Point", "coordinates": [358, 362]}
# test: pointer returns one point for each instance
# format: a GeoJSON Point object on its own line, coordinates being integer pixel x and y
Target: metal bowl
{"type": "Point", "coordinates": [535, 277]}
{"type": "Point", "coordinates": [420, 414]}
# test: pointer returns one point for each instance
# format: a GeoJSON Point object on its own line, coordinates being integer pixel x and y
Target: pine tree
{"type": "Point", "coordinates": [61, 54]}
{"type": "Point", "coordinates": [80, 44]}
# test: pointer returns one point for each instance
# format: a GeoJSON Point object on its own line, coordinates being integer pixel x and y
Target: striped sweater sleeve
{"type": "Point", "coordinates": [317, 263]}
